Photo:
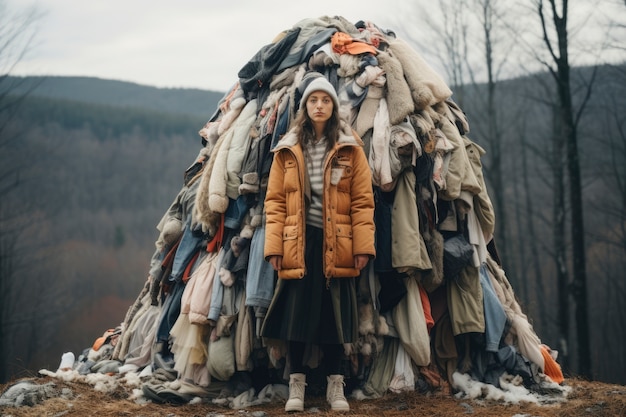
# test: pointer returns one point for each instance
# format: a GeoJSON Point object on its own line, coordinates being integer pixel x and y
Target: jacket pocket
{"type": "Point", "coordinates": [291, 247]}
{"type": "Point", "coordinates": [343, 254]}
{"type": "Point", "coordinates": [342, 171]}
{"type": "Point", "coordinates": [291, 179]}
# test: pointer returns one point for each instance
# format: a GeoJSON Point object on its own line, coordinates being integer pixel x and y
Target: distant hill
{"type": "Point", "coordinates": [109, 121]}
{"type": "Point", "coordinates": [192, 102]}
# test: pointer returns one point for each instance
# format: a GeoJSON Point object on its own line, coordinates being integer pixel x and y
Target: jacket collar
{"type": "Point", "coordinates": [347, 137]}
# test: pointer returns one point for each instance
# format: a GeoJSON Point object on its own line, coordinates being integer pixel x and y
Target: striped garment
{"type": "Point", "coordinates": [315, 162]}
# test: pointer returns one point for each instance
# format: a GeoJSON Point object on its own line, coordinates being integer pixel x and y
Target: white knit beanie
{"type": "Point", "coordinates": [320, 84]}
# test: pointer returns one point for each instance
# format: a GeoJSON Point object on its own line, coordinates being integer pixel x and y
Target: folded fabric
{"type": "Point", "coordinates": [342, 43]}
{"type": "Point", "coordinates": [457, 253]}
{"type": "Point", "coordinates": [221, 358]}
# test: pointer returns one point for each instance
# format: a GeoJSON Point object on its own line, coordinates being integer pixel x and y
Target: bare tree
{"type": "Point", "coordinates": [488, 13]}
{"type": "Point", "coordinates": [611, 172]}
{"type": "Point", "coordinates": [444, 36]}
{"type": "Point", "coordinates": [534, 260]}
{"type": "Point", "coordinates": [555, 160]}
{"type": "Point", "coordinates": [555, 37]}
{"type": "Point", "coordinates": [16, 35]}
{"type": "Point", "coordinates": [608, 248]}
{"type": "Point", "coordinates": [559, 215]}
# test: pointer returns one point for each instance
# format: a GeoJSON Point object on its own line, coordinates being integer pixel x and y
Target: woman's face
{"type": "Point", "coordinates": [319, 106]}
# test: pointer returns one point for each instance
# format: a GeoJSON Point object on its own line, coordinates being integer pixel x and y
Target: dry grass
{"type": "Point", "coordinates": [586, 399]}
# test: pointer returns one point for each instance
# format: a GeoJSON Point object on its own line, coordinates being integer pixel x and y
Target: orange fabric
{"type": "Point", "coordinates": [216, 242]}
{"type": "Point", "coordinates": [430, 322]}
{"type": "Point", "coordinates": [342, 43]}
{"type": "Point", "coordinates": [97, 344]}
{"type": "Point", "coordinates": [169, 257]}
{"type": "Point", "coordinates": [551, 367]}
{"type": "Point", "coordinates": [187, 271]}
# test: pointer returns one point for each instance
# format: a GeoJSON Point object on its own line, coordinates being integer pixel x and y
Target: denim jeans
{"type": "Point", "coordinates": [495, 317]}
{"type": "Point", "coordinates": [189, 245]}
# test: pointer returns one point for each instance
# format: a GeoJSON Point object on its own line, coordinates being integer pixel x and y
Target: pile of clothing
{"type": "Point", "coordinates": [434, 304]}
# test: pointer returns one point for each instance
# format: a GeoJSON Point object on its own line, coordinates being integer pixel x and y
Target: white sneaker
{"type": "Point", "coordinates": [297, 382]}
{"type": "Point", "coordinates": [335, 395]}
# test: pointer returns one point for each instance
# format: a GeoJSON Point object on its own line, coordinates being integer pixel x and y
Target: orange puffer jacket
{"type": "Point", "coordinates": [348, 207]}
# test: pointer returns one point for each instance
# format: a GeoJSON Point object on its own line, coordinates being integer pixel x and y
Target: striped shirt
{"type": "Point", "coordinates": [315, 165]}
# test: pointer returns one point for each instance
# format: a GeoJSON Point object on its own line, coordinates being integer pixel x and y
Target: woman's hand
{"type": "Point", "coordinates": [360, 261]}
{"type": "Point", "coordinates": [276, 261]}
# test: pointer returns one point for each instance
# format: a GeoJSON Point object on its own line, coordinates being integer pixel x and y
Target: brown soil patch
{"type": "Point", "coordinates": [586, 399]}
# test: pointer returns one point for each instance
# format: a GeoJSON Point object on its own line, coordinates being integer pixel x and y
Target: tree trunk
{"type": "Point", "coordinates": [560, 254]}
{"type": "Point", "coordinates": [579, 284]}
{"type": "Point", "coordinates": [540, 292]}
{"type": "Point", "coordinates": [520, 241]}
{"type": "Point", "coordinates": [568, 131]}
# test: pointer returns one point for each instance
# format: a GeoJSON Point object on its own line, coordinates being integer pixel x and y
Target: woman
{"type": "Point", "coordinates": [319, 235]}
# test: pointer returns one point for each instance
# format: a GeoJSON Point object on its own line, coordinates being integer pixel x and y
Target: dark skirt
{"type": "Point", "coordinates": [304, 310]}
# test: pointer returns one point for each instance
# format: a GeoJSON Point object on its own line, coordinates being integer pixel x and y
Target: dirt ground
{"type": "Point", "coordinates": [591, 399]}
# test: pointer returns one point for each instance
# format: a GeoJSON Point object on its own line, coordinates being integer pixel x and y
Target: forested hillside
{"type": "Point", "coordinates": [119, 94]}
{"type": "Point", "coordinates": [89, 167]}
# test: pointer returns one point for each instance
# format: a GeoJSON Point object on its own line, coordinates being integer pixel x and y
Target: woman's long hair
{"type": "Point", "coordinates": [306, 132]}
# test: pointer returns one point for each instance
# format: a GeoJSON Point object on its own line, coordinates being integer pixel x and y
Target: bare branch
{"type": "Point", "coordinates": [589, 88]}
{"type": "Point", "coordinates": [546, 38]}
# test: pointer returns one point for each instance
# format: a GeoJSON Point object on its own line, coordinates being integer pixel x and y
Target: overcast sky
{"type": "Point", "coordinates": [169, 43]}
{"type": "Point", "coordinates": [204, 43]}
